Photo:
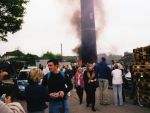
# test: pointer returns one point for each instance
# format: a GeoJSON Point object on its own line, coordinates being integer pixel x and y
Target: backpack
{"type": "Point", "coordinates": [61, 73]}
{"type": "Point", "coordinates": [49, 75]}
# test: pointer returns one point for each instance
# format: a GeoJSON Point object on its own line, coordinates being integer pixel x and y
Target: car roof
{"type": "Point", "coordinates": [25, 70]}
{"type": "Point", "coordinates": [31, 67]}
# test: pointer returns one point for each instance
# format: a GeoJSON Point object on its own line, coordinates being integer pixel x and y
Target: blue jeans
{"type": "Point", "coordinates": [59, 107]}
{"type": "Point", "coordinates": [117, 90]}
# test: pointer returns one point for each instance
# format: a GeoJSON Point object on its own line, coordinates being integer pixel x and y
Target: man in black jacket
{"type": "Point", "coordinates": [58, 87]}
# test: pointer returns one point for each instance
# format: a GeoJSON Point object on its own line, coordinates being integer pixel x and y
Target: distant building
{"type": "Point", "coordinates": [8, 55]}
{"type": "Point", "coordinates": [41, 61]}
{"type": "Point", "coordinates": [12, 54]}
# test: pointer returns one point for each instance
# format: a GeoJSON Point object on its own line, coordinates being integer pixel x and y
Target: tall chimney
{"type": "Point", "coordinates": [88, 51]}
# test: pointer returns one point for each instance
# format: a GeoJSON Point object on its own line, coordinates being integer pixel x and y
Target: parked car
{"type": "Point", "coordinates": [21, 81]}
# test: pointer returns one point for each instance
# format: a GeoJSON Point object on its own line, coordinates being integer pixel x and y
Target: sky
{"type": "Point", "coordinates": [121, 26]}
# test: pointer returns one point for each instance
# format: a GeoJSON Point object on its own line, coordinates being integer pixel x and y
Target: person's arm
{"type": "Point", "coordinates": [68, 83]}
{"type": "Point", "coordinates": [45, 94]}
{"type": "Point", "coordinates": [85, 78]}
{"type": "Point", "coordinates": [96, 77]}
{"type": "Point", "coordinates": [68, 86]}
{"type": "Point", "coordinates": [45, 81]}
{"type": "Point", "coordinates": [4, 108]}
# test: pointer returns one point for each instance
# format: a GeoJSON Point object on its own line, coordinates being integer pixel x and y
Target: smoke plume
{"type": "Point", "coordinates": [99, 17]}
{"type": "Point", "coordinates": [75, 21]}
{"type": "Point", "coordinates": [73, 17]}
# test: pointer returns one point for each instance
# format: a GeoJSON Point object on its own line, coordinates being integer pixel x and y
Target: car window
{"type": "Point", "coordinates": [23, 75]}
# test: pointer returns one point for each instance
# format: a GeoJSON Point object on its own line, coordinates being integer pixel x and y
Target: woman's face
{"type": "Point", "coordinates": [90, 67]}
{"type": "Point", "coordinates": [80, 70]}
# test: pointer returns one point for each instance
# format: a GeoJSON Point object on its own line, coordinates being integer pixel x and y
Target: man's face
{"type": "Point", "coordinates": [52, 67]}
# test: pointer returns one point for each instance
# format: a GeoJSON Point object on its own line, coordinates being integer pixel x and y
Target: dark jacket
{"type": "Point", "coordinates": [89, 85]}
{"type": "Point", "coordinates": [57, 83]}
{"type": "Point", "coordinates": [36, 96]}
{"type": "Point", "coordinates": [103, 71]}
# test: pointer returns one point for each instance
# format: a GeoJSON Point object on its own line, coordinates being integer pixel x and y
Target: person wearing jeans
{"type": "Point", "coordinates": [58, 87]}
{"type": "Point", "coordinates": [117, 91]}
{"type": "Point", "coordinates": [117, 85]}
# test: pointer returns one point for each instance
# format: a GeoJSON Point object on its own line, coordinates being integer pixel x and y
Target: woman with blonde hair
{"type": "Point", "coordinates": [90, 84]}
{"type": "Point", "coordinates": [36, 94]}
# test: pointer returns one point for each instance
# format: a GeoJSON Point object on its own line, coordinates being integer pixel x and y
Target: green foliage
{"type": "Point", "coordinates": [11, 16]}
{"type": "Point", "coordinates": [72, 59]}
{"type": "Point", "coordinates": [18, 53]}
{"type": "Point", "coordinates": [48, 55]}
{"type": "Point", "coordinates": [30, 58]}
{"type": "Point", "coordinates": [58, 56]}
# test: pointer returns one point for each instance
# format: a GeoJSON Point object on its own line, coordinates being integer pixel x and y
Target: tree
{"type": "Point", "coordinates": [59, 57]}
{"type": "Point", "coordinates": [30, 58]}
{"type": "Point", "coordinates": [11, 16]}
{"type": "Point", "coordinates": [18, 53]}
{"type": "Point", "coordinates": [48, 55]}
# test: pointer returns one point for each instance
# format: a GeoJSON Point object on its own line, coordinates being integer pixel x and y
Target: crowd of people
{"type": "Point", "coordinates": [57, 83]}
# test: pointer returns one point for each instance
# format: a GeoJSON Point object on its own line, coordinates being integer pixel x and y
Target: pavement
{"type": "Point", "coordinates": [75, 107]}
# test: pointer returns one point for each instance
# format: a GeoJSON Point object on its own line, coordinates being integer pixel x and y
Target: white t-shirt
{"type": "Point", "coordinates": [45, 70]}
{"type": "Point", "coordinates": [117, 76]}
{"type": "Point", "coordinates": [79, 79]}
{"type": "Point", "coordinates": [128, 75]}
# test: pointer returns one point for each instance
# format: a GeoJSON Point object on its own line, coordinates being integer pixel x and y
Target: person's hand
{"type": "Point", "coordinates": [2, 74]}
{"type": "Point", "coordinates": [61, 94]}
{"type": "Point", "coordinates": [7, 99]}
{"type": "Point", "coordinates": [92, 81]}
{"type": "Point", "coordinates": [54, 95]}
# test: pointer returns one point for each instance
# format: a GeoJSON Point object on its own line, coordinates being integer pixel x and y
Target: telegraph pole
{"type": "Point", "coordinates": [61, 52]}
